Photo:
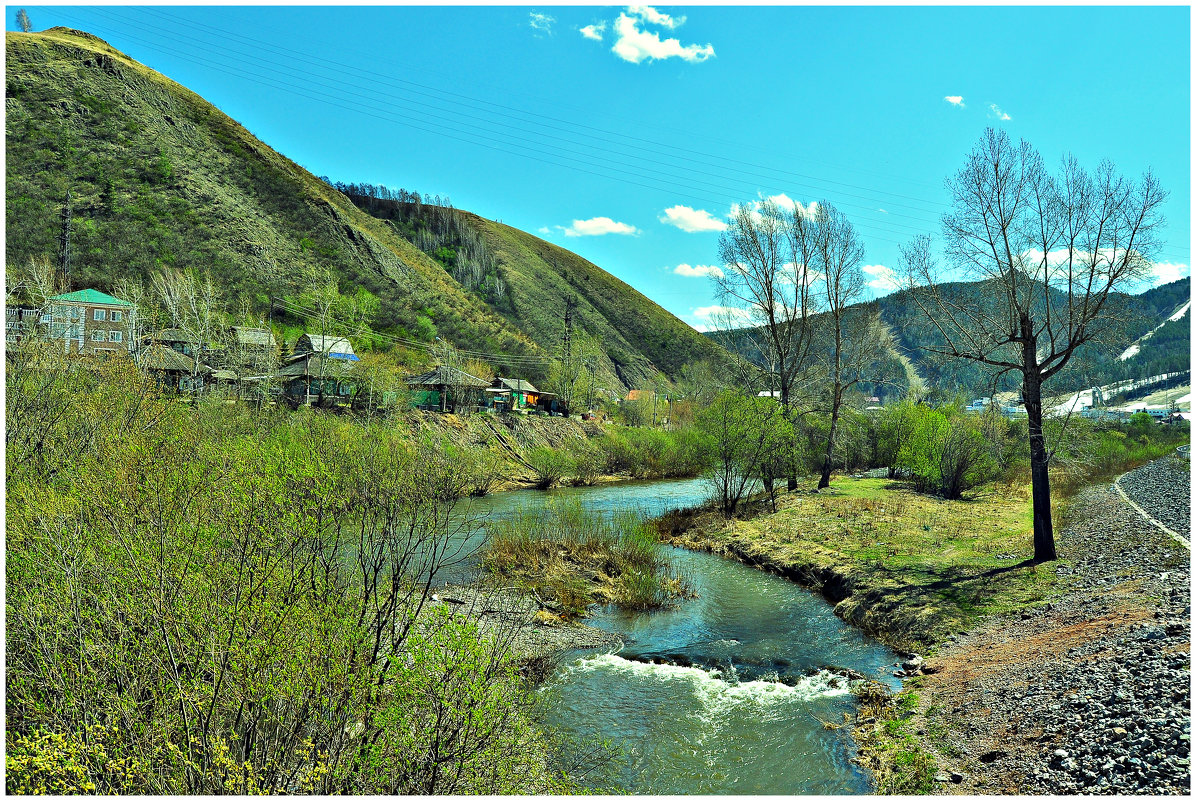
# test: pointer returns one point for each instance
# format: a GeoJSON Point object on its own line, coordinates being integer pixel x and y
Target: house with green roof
{"type": "Point", "coordinates": [91, 322]}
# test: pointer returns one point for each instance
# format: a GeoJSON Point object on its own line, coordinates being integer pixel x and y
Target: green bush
{"type": "Point", "coordinates": [550, 466]}
{"type": "Point", "coordinates": [234, 600]}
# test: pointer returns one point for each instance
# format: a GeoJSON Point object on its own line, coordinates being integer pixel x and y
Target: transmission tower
{"type": "Point", "coordinates": [64, 242]}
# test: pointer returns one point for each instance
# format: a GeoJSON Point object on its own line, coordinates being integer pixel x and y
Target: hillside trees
{"type": "Point", "coordinates": [23, 23]}
{"type": "Point", "coordinates": [1053, 249]}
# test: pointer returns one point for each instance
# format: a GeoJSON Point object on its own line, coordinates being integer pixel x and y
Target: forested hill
{"type": "Point", "coordinates": [915, 338]}
{"type": "Point", "coordinates": [159, 178]}
{"type": "Point", "coordinates": [533, 283]}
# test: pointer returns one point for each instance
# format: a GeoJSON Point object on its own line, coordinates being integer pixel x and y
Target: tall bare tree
{"type": "Point", "coordinates": [766, 256]}
{"type": "Point", "coordinates": [1052, 251]}
{"type": "Point", "coordinates": [856, 337]}
{"type": "Point", "coordinates": [23, 22]}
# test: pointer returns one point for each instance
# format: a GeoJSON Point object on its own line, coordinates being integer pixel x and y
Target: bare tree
{"type": "Point", "coordinates": [857, 339]}
{"type": "Point", "coordinates": [766, 256]}
{"type": "Point", "coordinates": [189, 301]}
{"type": "Point", "coordinates": [23, 22]}
{"type": "Point", "coordinates": [1052, 252]}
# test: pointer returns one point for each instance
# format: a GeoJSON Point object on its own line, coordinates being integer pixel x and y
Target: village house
{"type": "Point", "coordinates": [19, 322]}
{"type": "Point", "coordinates": [522, 394]}
{"type": "Point", "coordinates": [173, 369]}
{"type": "Point", "coordinates": [446, 389]}
{"type": "Point", "coordinates": [313, 378]}
{"type": "Point", "coordinates": [332, 347]}
{"type": "Point", "coordinates": [90, 322]}
{"type": "Point", "coordinates": [178, 340]}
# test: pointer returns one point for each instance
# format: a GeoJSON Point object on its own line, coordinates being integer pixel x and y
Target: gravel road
{"type": "Point", "coordinates": [1090, 694]}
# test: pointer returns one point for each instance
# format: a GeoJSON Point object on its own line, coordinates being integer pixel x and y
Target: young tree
{"type": "Point", "coordinates": [1052, 251]}
{"type": "Point", "coordinates": [23, 23]}
{"type": "Point", "coordinates": [767, 254]}
{"type": "Point", "coordinates": [190, 302]}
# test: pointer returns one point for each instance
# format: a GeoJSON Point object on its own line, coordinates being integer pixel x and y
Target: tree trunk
{"type": "Point", "coordinates": [825, 480]}
{"type": "Point", "coordinates": [1044, 535]}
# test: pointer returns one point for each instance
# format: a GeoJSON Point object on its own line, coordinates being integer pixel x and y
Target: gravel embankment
{"type": "Point", "coordinates": [1161, 488]}
{"type": "Point", "coordinates": [1091, 693]}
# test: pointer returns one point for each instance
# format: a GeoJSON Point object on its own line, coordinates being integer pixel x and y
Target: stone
{"type": "Point", "coordinates": [957, 777]}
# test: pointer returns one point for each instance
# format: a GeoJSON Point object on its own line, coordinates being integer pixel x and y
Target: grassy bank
{"type": "Point", "coordinates": [571, 558]}
{"type": "Point", "coordinates": [908, 568]}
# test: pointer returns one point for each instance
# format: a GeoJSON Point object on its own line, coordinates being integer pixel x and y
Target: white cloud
{"type": "Point", "coordinates": [718, 315]}
{"type": "Point", "coordinates": [883, 279]}
{"type": "Point", "coordinates": [698, 271]}
{"type": "Point", "coordinates": [1164, 272]}
{"type": "Point", "coordinates": [649, 14]}
{"type": "Point", "coordinates": [597, 226]}
{"type": "Point", "coordinates": [692, 220]}
{"type": "Point", "coordinates": [995, 112]}
{"type": "Point", "coordinates": [955, 100]}
{"type": "Point", "coordinates": [636, 45]}
{"type": "Point", "coordinates": [882, 211]}
{"type": "Point", "coordinates": [545, 230]}
{"type": "Point", "coordinates": [595, 31]}
{"type": "Point", "coordinates": [541, 22]}
{"type": "Point", "coordinates": [784, 201]}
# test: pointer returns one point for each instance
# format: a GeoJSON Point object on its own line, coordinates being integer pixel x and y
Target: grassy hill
{"type": "Point", "coordinates": [159, 178]}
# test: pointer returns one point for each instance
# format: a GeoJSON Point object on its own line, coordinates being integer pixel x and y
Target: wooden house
{"type": "Point", "coordinates": [172, 369]}
{"type": "Point", "coordinates": [317, 378]}
{"type": "Point", "coordinates": [446, 389]}
{"type": "Point", "coordinates": [332, 347]}
{"type": "Point", "coordinates": [522, 394]}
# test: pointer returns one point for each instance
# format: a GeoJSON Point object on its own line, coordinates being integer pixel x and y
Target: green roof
{"type": "Point", "coordinates": [91, 296]}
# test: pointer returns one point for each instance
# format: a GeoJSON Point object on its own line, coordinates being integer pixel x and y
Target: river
{"type": "Point", "coordinates": [738, 706]}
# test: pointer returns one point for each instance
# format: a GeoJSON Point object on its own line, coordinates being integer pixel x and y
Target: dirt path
{"type": "Point", "coordinates": [1090, 694]}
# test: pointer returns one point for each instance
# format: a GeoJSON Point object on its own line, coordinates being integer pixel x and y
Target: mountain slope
{"type": "Point", "coordinates": [914, 338]}
{"type": "Point", "coordinates": [159, 178]}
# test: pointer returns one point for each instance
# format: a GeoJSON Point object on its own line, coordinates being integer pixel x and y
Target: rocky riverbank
{"type": "Point", "coordinates": [1089, 693]}
{"type": "Point", "coordinates": [516, 620]}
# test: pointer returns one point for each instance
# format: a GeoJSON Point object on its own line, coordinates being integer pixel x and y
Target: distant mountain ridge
{"type": "Point", "coordinates": [1166, 351]}
{"type": "Point", "coordinates": [159, 178]}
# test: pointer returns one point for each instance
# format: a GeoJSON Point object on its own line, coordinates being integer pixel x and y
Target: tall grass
{"type": "Point", "coordinates": [575, 557]}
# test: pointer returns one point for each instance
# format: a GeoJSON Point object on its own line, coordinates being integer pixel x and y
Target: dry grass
{"type": "Point", "coordinates": [572, 557]}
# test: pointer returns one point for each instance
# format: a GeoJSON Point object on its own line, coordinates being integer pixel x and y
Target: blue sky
{"type": "Point", "coordinates": [626, 133]}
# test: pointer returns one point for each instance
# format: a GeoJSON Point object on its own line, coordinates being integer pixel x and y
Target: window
{"type": "Point", "coordinates": [117, 316]}
{"type": "Point", "coordinates": [99, 314]}
{"type": "Point", "coordinates": [98, 336]}
{"type": "Point", "coordinates": [115, 336]}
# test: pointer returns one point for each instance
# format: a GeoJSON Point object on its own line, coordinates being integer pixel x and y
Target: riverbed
{"type": "Point", "coordinates": [723, 693]}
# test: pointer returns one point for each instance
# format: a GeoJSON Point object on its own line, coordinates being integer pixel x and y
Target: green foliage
{"type": "Point", "coordinates": [550, 466]}
{"type": "Point", "coordinates": [944, 451]}
{"type": "Point", "coordinates": [235, 600]}
{"type": "Point", "coordinates": [743, 432]}
{"type": "Point", "coordinates": [654, 453]}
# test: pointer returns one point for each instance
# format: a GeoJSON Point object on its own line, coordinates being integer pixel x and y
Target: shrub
{"type": "Point", "coordinates": [550, 466]}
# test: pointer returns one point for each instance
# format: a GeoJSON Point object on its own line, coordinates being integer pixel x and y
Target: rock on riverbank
{"type": "Point", "coordinates": [518, 621]}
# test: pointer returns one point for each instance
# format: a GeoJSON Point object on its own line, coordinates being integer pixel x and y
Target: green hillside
{"type": "Point", "coordinates": [530, 282]}
{"type": "Point", "coordinates": [159, 178]}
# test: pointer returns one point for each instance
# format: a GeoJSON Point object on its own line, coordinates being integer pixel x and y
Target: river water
{"type": "Point", "coordinates": [734, 700]}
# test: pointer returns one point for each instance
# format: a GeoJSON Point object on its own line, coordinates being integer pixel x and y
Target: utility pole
{"type": "Point", "coordinates": [64, 242]}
